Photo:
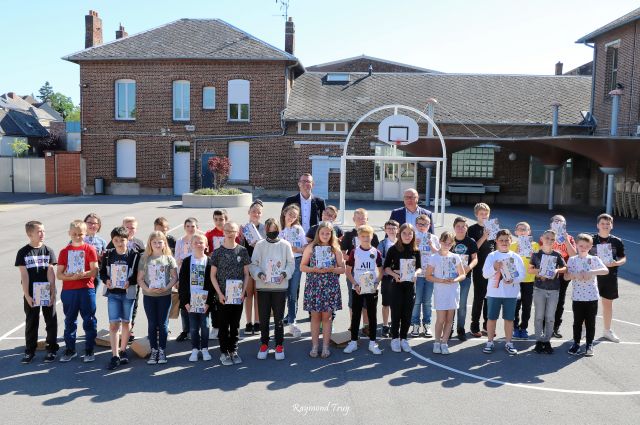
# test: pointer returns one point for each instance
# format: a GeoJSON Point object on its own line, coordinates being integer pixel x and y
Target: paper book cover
{"type": "Point", "coordinates": [424, 260]}
{"type": "Point", "coordinates": [407, 269]}
{"type": "Point", "coordinates": [324, 257]}
{"type": "Point", "coordinates": [525, 248]}
{"type": "Point", "coordinates": [492, 227]}
{"type": "Point", "coordinates": [548, 266]}
{"type": "Point", "coordinates": [119, 275]}
{"type": "Point", "coordinates": [292, 235]}
{"type": "Point", "coordinates": [233, 291]}
{"type": "Point", "coordinates": [217, 241]}
{"type": "Point", "coordinates": [157, 276]}
{"type": "Point", "coordinates": [561, 230]}
{"type": "Point", "coordinates": [509, 269]}
{"type": "Point", "coordinates": [274, 270]}
{"type": "Point", "coordinates": [366, 280]}
{"type": "Point", "coordinates": [465, 259]}
{"type": "Point", "coordinates": [605, 253]}
{"type": "Point", "coordinates": [198, 300]}
{"type": "Point", "coordinates": [41, 294]}
{"type": "Point", "coordinates": [422, 240]}
{"type": "Point", "coordinates": [75, 262]}
{"type": "Point", "coordinates": [197, 274]}
{"type": "Point", "coordinates": [449, 270]}
{"type": "Point", "coordinates": [251, 234]}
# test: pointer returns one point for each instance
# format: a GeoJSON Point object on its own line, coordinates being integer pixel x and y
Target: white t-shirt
{"type": "Point", "coordinates": [503, 290]}
{"type": "Point", "coordinates": [295, 235]}
{"type": "Point", "coordinates": [305, 212]}
{"type": "Point", "coordinates": [584, 290]}
{"type": "Point", "coordinates": [444, 267]}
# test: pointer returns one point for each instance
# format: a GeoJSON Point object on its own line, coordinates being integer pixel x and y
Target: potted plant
{"type": "Point", "coordinates": [217, 196]}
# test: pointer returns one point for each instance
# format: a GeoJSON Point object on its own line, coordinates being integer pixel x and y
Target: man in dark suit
{"type": "Point", "coordinates": [311, 207]}
{"type": "Point", "coordinates": [411, 210]}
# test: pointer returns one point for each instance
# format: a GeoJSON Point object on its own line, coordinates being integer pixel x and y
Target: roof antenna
{"type": "Point", "coordinates": [370, 70]}
{"type": "Point", "coordinates": [284, 8]}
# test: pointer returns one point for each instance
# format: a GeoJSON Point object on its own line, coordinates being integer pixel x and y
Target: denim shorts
{"type": "Point", "coordinates": [120, 308]}
{"type": "Point", "coordinates": [508, 308]}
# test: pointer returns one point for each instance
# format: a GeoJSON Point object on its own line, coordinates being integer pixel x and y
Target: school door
{"type": "Point", "coordinates": [391, 179]}
{"type": "Point", "coordinates": [321, 168]}
{"type": "Point", "coordinates": [181, 168]}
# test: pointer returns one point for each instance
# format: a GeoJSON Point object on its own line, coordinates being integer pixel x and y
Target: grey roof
{"type": "Point", "coordinates": [487, 99]}
{"type": "Point", "coordinates": [22, 124]}
{"type": "Point", "coordinates": [341, 62]}
{"type": "Point", "coordinates": [623, 20]}
{"type": "Point", "coordinates": [186, 39]}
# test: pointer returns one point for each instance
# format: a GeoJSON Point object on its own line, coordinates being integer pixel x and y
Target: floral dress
{"type": "Point", "coordinates": [322, 290]}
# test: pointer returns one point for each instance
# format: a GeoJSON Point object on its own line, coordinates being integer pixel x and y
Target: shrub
{"type": "Point", "coordinates": [210, 191]}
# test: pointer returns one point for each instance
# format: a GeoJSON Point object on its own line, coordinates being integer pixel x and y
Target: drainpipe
{"type": "Point", "coordinates": [611, 180]}
{"type": "Point", "coordinates": [615, 109]}
{"type": "Point", "coordinates": [552, 168]}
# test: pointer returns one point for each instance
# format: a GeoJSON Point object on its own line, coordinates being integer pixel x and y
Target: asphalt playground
{"type": "Point", "coordinates": [417, 387]}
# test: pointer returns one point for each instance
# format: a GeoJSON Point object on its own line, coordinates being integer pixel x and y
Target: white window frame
{"type": "Point", "coordinates": [126, 170]}
{"type": "Point", "coordinates": [474, 162]}
{"type": "Point", "coordinates": [186, 106]}
{"type": "Point", "coordinates": [129, 116]}
{"type": "Point", "coordinates": [204, 106]}
{"type": "Point", "coordinates": [239, 93]}
{"type": "Point", "coordinates": [323, 129]}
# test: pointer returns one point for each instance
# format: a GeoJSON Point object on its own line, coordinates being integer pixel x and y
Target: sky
{"type": "Point", "coordinates": [461, 36]}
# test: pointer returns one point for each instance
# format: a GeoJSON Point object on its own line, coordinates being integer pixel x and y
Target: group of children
{"type": "Point", "coordinates": [258, 266]}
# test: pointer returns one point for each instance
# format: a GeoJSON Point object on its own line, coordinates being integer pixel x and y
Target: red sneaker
{"type": "Point", "coordinates": [263, 352]}
{"type": "Point", "coordinates": [279, 352]}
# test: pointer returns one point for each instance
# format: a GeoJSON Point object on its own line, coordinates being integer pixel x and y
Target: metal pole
{"type": "Point", "coordinates": [343, 186]}
{"type": "Point", "coordinates": [615, 107]}
{"type": "Point", "coordinates": [444, 189]}
{"type": "Point", "coordinates": [427, 191]}
{"type": "Point", "coordinates": [436, 199]}
{"type": "Point", "coordinates": [552, 175]}
{"type": "Point", "coordinates": [554, 128]}
{"type": "Point", "coordinates": [610, 190]}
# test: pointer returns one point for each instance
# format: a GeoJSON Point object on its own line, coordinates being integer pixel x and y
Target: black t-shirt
{"type": "Point", "coordinates": [128, 259]}
{"type": "Point", "coordinates": [475, 232]}
{"type": "Point", "coordinates": [467, 247]}
{"type": "Point", "coordinates": [617, 250]}
{"type": "Point", "coordinates": [349, 241]}
{"type": "Point", "coordinates": [548, 284]}
{"type": "Point", "coordinates": [37, 262]}
{"type": "Point", "coordinates": [314, 229]}
{"type": "Point", "coordinates": [392, 260]}
{"type": "Point", "coordinates": [172, 244]}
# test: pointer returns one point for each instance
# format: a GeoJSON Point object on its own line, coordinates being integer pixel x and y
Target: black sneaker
{"type": "Point", "coordinates": [462, 335]}
{"type": "Point", "coordinates": [556, 334]}
{"type": "Point", "coordinates": [539, 348]}
{"type": "Point", "coordinates": [248, 330]}
{"type": "Point", "coordinates": [68, 355]}
{"type": "Point", "coordinates": [27, 358]}
{"type": "Point", "coordinates": [386, 331]}
{"type": "Point", "coordinates": [113, 363]}
{"type": "Point", "coordinates": [89, 356]}
{"type": "Point", "coordinates": [124, 359]}
{"type": "Point", "coordinates": [256, 328]}
{"type": "Point", "coordinates": [548, 349]}
{"type": "Point", "coordinates": [50, 357]}
{"type": "Point", "coordinates": [575, 350]}
{"type": "Point", "coordinates": [182, 337]}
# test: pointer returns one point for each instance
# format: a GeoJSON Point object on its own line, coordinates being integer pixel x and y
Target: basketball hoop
{"type": "Point", "coordinates": [398, 130]}
{"type": "Point", "coordinates": [398, 142]}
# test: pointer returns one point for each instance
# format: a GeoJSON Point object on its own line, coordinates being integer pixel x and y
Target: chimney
{"type": "Point", "coordinates": [11, 95]}
{"type": "Point", "coordinates": [121, 33]}
{"type": "Point", "coordinates": [289, 36]}
{"type": "Point", "coordinates": [559, 68]}
{"type": "Point", "coordinates": [93, 30]}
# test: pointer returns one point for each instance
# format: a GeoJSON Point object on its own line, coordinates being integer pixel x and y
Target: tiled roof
{"type": "Point", "coordinates": [486, 99]}
{"type": "Point", "coordinates": [22, 124]}
{"type": "Point", "coordinates": [623, 20]}
{"type": "Point", "coordinates": [345, 64]}
{"type": "Point", "coordinates": [186, 39]}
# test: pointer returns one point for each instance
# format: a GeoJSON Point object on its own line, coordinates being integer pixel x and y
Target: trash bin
{"type": "Point", "coordinates": [99, 186]}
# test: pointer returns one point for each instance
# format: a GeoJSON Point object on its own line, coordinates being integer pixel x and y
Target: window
{"type": "Point", "coordinates": [238, 100]}
{"type": "Point", "coordinates": [181, 101]}
{"type": "Point", "coordinates": [323, 127]}
{"type": "Point", "coordinates": [125, 100]}
{"type": "Point", "coordinates": [611, 67]}
{"type": "Point", "coordinates": [473, 162]}
{"type": "Point", "coordinates": [209, 98]}
{"type": "Point", "coordinates": [126, 159]}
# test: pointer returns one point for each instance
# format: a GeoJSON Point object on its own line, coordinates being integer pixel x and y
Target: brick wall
{"type": "Point", "coordinates": [63, 167]}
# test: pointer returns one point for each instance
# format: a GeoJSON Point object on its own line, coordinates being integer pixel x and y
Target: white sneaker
{"type": "Point", "coordinates": [263, 352]}
{"type": "Point", "coordinates": [295, 331]}
{"type": "Point", "coordinates": [395, 345]}
{"type": "Point", "coordinates": [437, 348]}
{"type": "Point", "coordinates": [404, 344]}
{"type": "Point", "coordinates": [610, 335]}
{"type": "Point", "coordinates": [279, 354]}
{"type": "Point", "coordinates": [427, 331]}
{"type": "Point", "coordinates": [194, 355]}
{"type": "Point", "coordinates": [444, 349]}
{"type": "Point", "coordinates": [351, 347]}
{"type": "Point", "coordinates": [509, 348]}
{"type": "Point", "coordinates": [415, 331]}
{"type": "Point", "coordinates": [373, 347]}
{"type": "Point", "coordinates": [213, 333]}
{"type": "Point", "coordinates": [205, 354]}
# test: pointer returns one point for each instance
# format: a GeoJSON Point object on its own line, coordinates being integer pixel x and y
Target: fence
{"type": "Point", "coordinates": [26, 175]}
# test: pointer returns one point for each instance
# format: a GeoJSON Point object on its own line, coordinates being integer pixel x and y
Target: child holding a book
{"type": "Point", "coordinates": [504, 270]}
{"type": "Point", "coordinates": [391, 236]}
{"type": "Point", "coordinates": [467, 249]}
{"type": "Point", "coordinates": [119, 274]}
{"type": "Point", "coordinates": [547, 266]}
{"type": "Point", "coordinates": [610, 250]}
{"type": "Point", "coordinates": [77, 269]}
{"type": "Point", "coordinates": [364, 271]}
{"type": "Point", "coordinates": [403, 265]}
{"type": "Point", "coordinates": [35, 262]}
{"type": "Point", "coordinates": [486, 245]}
{"type": "Point", "coordinates": [230, 276]}
{"type": "Point", "coordinates": [183, 250]}
{"type": "Point", "coordinates": [582, 270]}
{"type": "Point", "coordinates": [272, 265]}
{"type": "Point", "coordinates": [428, 245]}
{"type": "Point", "coordinates": [446, 271]}
{"type": "Point", "coordinates": [157, 275]}
{"type": "Point", "coordinates": [197, 295]}
{"type": "Point", "coordinates": [524, 246]}
{"type": "Point", "coordinates": [293, 233]}
{"type": "Point", "coordinates": [322, 262]}
{"type": "Point", "coordinates": [250, 233]}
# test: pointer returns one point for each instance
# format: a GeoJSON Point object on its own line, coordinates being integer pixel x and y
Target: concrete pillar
{"type": "Point", "coordinates": [611, 187]}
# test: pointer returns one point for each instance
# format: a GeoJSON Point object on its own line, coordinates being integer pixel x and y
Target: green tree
{"type": "Point", "coordinates": [74, 115]}
{"type": "Point", "coordinates": [19, 146]}
{"type": "Point", "coordinates": [46, 91]}
{"type": "Point", "coordinates": [63, 104]}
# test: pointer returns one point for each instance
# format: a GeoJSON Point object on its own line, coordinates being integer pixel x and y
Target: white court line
{"type": "Point", "coordinates": [17, 328]}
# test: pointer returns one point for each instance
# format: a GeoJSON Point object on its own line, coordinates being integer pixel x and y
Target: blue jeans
{"type": "Point", "coordinates": [120, 308]}
{"type": "Point", "coordinates": [424, 294]}
{"type": "Point", "coordinates": [461, 314]}
{"type": "Point", "coordinates": [293, 292]}
{"type": "Point", "coordinates": [157, 310]}
{"type": "Point", "coordinates": [81, 301]}
{"type": "Point", "coordinates": [199, 329]}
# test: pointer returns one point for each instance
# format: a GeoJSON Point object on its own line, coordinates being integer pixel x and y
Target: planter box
{"type": "Point", "coordinates": [189, 200]}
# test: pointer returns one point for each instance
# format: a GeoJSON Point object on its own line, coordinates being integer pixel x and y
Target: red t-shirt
{"type": "Point", "coordinates": [215, 233]}
{"type": "Point", "coordinates": [78, 253]}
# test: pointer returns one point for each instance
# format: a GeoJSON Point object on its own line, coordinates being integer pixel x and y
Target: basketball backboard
{"type": "Point", "coordinates": [398, 129]}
